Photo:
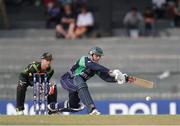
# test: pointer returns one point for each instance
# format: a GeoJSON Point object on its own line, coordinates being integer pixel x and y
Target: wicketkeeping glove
{"type": "Point", "coordinates": [51, 88]}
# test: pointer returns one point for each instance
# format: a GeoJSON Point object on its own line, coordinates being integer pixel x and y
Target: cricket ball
{"type": "Point", "coordinates": [148, 98]}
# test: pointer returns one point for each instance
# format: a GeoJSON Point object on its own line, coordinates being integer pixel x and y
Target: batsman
{"type": "Point", "coordinates": [74, 81]}
{"type": "Point", "coordinates": [26, 79]}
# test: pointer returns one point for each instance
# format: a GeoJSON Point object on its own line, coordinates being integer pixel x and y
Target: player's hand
{"type": "Point", "coordinates": [113, 73]}
{"type": "Point", "coordinates": [131, 79]}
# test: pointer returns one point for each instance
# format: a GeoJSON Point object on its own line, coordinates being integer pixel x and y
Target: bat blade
{"type": "Point", "coordinates": [143, 83]}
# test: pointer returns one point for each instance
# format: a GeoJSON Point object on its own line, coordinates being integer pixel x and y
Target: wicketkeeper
{"type": "Point", "coordinates": [74, 81]}
{"type": "Point", "coordinates": [26, 79]}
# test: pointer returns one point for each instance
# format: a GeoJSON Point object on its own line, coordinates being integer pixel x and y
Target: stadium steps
{"type": "Point", "coordinates": [144, 57]}
{"type": "Point", "coordinates": [26, 16]}
{"type": "Point", "coordinates": [28, 33]}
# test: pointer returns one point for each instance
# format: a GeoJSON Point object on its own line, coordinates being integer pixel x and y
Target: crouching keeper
{"type": "Point", "coordinates": [26, 79]}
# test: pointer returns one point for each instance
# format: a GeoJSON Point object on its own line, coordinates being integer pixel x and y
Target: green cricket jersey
{"type": "Point", "coordinates": [35, 67]}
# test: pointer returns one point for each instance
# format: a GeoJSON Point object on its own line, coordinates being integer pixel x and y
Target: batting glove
{"type": "Point", "coordinates": [119, 77]}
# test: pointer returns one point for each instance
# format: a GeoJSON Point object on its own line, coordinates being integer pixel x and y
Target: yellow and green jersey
{"type": "Point", "coordinates": [35, 67]}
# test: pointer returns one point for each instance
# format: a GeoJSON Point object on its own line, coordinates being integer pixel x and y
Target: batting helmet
{"type": "Point", "coordinates": [96, 50]}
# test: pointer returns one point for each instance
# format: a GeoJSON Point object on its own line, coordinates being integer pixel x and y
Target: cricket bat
{"type": "Point", "coordinates": [142, 82]}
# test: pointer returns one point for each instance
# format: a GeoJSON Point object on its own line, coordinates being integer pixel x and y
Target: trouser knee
{"type": "Point", "coordinates": [84, 93]}
{"type": "Point", "coordinates": [79, 83]}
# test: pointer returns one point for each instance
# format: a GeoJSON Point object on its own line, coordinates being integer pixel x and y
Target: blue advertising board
{"type": "Point", "coordinates": [118, 107]}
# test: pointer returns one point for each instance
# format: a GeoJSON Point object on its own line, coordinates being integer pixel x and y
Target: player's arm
{"type": "Point", "coordinates": [29, 70]}
{"type": "Point", "coordinates": [101, 71]}
{"type": "Point", "coordinates": [107, 74]}
{"type": "Point", "coordinates": [106, 77]}
{"type": "Point", "coordinates": [52, 85]}
{"type": "Point", "coordinates": [50, 73]}
{"type": "Point", "coordinates": [27, 73]}
{"type": "Point", "coordinates": [120, 77]}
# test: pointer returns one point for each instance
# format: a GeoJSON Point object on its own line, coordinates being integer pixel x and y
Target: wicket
{"type": "Point", "coordinates": [40, 93]}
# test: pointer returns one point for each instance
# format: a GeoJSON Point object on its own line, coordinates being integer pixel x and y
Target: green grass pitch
{"type": "Point", "coordinates": [86, 120]}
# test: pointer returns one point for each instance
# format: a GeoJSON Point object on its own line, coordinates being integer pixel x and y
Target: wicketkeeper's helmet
{"type": "Point", "coordinates": [96, 50]}
{"type": "Point", "coordinates": [47, 56]}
